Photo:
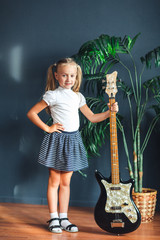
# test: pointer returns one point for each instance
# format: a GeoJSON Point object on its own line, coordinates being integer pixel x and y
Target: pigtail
{"type": "Point", "coordinates": [51, 82]}
{"type": "Point", "coordinates": [77, 84]}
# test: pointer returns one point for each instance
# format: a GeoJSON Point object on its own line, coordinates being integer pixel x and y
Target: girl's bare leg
{"type": "Point", "coordinates": [52, 192]}
{"type": "Point", "coordinates": [64, 191]}
{"type": "Point", "coordinates": [52, 196]}
{"type": "Point", "coordinates": [64, 195]}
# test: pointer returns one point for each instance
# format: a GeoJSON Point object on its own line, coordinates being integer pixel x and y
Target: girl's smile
{"type": "Point", "coordinates": [66, 75]}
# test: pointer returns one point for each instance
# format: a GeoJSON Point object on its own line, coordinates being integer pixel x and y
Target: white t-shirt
{"type": "Point", "coordinates": [64, 105]}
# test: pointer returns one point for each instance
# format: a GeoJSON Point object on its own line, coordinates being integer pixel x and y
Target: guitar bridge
{"type": "Point", "coordinates": [117, 223]}
{"type": "Point", "coordinates": [115, 188]}
{"type": "Point", "coordinates": [116, 208]}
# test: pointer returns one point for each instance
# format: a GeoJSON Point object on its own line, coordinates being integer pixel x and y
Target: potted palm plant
{"type": "Point", "coordinates": [99, 56]}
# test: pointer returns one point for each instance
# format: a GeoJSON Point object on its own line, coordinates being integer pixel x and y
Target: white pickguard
{"type": "Point", "coordinates": [120, 198]}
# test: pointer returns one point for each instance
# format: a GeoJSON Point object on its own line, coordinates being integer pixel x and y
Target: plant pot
{"type": "Point", "coordinates": [146, 203]}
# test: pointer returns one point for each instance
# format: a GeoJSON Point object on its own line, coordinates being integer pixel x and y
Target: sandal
{"type": "Point", "coordinates": [54, 228]}
{"type": "Point", "coordinates": [70, 228]}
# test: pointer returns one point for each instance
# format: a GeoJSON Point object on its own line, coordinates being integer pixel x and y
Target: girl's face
{"type": "Point", "coordinates": [66, 75]}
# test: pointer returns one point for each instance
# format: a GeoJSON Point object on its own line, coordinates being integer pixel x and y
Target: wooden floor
{"type": "Point", "coordinates": [24, 221]}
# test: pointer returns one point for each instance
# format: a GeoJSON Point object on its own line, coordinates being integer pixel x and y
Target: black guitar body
{"type": "Point", "coordinates": [114, 220]}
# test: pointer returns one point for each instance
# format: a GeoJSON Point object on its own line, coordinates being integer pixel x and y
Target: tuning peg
{"type": "Point", "coordinates": [119, 80]}
{"type": "Point", "coordinates": [103, 81]}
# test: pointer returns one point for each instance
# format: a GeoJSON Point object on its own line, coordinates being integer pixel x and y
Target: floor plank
{"type": "Point", "coordinates": [25, 221]}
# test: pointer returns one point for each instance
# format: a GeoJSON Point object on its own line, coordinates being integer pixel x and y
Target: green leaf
{"type": "Point", "coordinates": [156, 108]}
{"type": "Point", "coordinates": [94, 82]}
{"type": "Point", "coordinates": [152, 55]}
{"type": "Point", "coordinates": [125, 88]}
{"type": "Point", "coordinates": [154, 86]}
{"type": "Point", "coordinates": [129, 42]}
{"type": "Point", "coordinates": [134, 40]}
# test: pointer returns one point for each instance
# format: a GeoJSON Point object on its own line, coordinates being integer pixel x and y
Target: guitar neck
{"type": "Point", "coordinates": [114, 146]}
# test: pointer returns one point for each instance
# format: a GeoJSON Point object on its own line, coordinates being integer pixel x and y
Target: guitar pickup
{"type": "Point", "coordinates": [117, 223]}
{"type": "Point", "coordinates": [115, 188]}
{"type": "Point", "coordinates": [116, 208]}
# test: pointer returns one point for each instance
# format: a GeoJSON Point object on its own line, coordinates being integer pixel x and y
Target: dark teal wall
{"type": "Point", "coordinates": [33, 35]}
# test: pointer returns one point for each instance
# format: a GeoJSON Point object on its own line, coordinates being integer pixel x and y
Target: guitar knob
{"type": "Point", "coordinates": [125, 204]}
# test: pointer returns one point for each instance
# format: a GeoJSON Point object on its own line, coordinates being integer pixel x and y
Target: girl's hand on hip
{"type": "Point", "coordinates": [57, 127]}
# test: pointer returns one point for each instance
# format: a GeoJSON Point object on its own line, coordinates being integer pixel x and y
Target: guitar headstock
{"type": "Point", "coordinates": [111, 88]}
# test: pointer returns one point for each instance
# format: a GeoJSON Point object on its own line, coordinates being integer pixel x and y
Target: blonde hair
{"type": "Point", "coordinates": [51, 81]}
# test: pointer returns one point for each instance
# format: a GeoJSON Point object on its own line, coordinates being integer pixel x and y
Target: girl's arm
{"type": "Point", "coordinates": [98, 117]}
{"type": "Point", "coordinates": [33, 116]}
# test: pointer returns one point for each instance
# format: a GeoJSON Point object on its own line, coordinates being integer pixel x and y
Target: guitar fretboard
{"type": "Point", "coordinates": [114, 146]}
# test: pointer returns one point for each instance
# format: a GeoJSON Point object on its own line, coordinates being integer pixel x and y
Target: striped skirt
{"type": "Point", "coordinates": [63, 151]}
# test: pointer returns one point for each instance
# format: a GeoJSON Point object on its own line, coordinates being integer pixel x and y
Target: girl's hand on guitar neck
{"type": "Point", "coordinates": [114, 107]}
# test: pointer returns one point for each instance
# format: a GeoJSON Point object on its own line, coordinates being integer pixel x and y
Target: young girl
{"type": "Point", "coordinates": [62, 150]}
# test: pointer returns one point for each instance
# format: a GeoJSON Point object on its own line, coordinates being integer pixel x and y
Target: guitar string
{"type": "Point", "coordinates": [114, 154]}
{"type": "Point", "coordinates": [114, 151]}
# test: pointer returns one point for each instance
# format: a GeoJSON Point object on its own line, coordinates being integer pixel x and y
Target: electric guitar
{"type": "Point", "coordinates": [115, 211]}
